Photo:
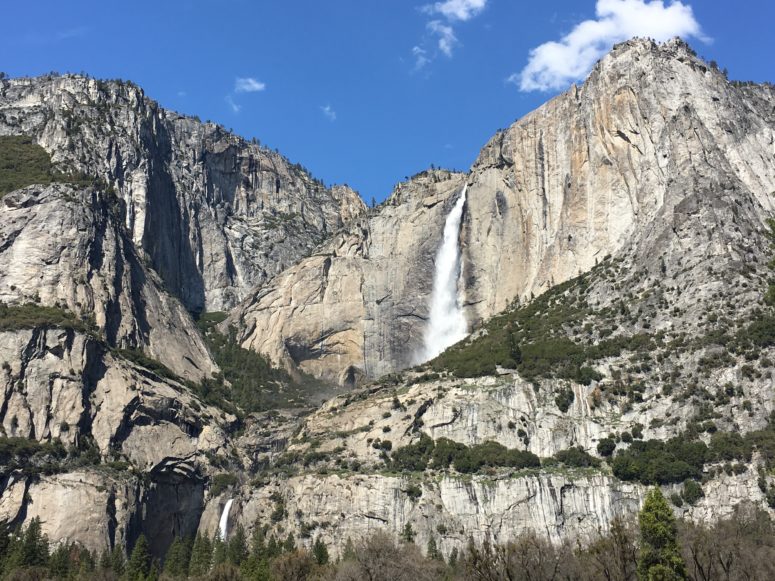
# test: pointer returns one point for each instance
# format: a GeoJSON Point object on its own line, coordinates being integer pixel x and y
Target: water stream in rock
{"type": "Point", "coordinates": [223, 524]}
{"type": "Point", "coordinates": [447, 323]}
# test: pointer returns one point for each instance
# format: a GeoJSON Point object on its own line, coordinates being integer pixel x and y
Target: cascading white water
{"type": "Point", "coordinates": [223, 524]}
{"type": "Point", "coordinates": [447, 324]}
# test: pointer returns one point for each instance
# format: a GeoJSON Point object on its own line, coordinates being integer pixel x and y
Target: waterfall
{"type": "Point", "coordinates": [447, 324]}
{"type": "Point", "coordinates": [223, 524]}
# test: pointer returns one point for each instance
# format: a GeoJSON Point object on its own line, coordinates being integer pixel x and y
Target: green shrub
{"type": "Point", "coordinates": [220, 482]}
{"type": "Point", "coordinates": [445, 453]}
{"type": "Point", "coordinates": [564, 399]}
{"type": "Point", "coordinates": [656, 462]}
{"type": "Point", "coordinates": [413, 457]}
{"type": "Point", "coordinates": [247, 378]}
{"type": "Point", "coordinates": [577, 457]}
{"type": "Point", "coordinates": [692, 492]}
{"type": "Point", "coordinates": [606, 447]}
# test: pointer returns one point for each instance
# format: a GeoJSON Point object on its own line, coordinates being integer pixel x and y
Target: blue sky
{"type": "Point", "coordinates": [365, 92]}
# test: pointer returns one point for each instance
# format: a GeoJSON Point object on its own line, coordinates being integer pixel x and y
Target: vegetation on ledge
{"type": "Point", "coordinates": [24, 163]}
{"type": "Point", "coordinates": [31, 316]}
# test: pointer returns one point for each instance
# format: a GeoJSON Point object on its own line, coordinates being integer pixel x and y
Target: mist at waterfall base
{"type": "Point", "coordinates": [446, 324]}
{"type": "Point", "coordinates": [223, 524]}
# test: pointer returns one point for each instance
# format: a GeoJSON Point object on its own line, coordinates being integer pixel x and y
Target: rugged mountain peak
{"type": "Point", "coordinates": [588, 172]}
{"type": "Point", "coordinates": [215, 214]}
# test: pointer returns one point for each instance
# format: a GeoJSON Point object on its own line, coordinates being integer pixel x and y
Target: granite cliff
{"type": "Point", "coordinates": [598, 169]}
{"type": "Point", "coordinates": [615, 276]}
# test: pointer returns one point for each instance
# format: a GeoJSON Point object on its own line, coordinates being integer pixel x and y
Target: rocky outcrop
{"type": "Point", "coordinates": [67, 247]}
{"type": "Point", "coordinates": [357, 306]}
{"type": "Point", "coordinates": [153, 441]}
{"type": "Point", "coordinates": [215, 215]}
{"type": "Point", "coordinates": [335, 508]}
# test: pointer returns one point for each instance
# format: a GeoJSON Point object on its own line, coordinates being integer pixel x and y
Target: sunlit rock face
{"type": "Point", "coordinates": [607, 168]}
{"type": "Point", "coordinates": [359, 305]}
{"type": "Point", "coordinates": [214, 214]}
{"type": "Point", "coordinates": [607, 165]}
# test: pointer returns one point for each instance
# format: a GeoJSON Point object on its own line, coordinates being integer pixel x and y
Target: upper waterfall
{"type": "Point", "coordinates": [447, 324]}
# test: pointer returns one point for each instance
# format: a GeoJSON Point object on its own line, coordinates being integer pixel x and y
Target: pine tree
{"type": "Point", "coordinates": [453, 558]}
{"type": "Point", "coordinates": [87, 563]}
{"type": "Point", "coordinates": [59, 562]}
{"type": "Point", "coordinates": [178, 557]}
{"type": "Point", "coordinates": [349, 550]}
{"type": "Point", "coordinates": [289, 544]}
{"type": "Point", "coordinates": [105, 560]}
{"type": "Point", "coordinates": [201, 556]}
{"type": "Point", "coordinates": [660, 556]}
{"type": "Point", "coordinates": [320, 551]}
{"type": "Point", "coordinates": [237, 549]}
{"type": "Point", "coordinates": [34, 545]}
{"type": "Point", "coordinates": [258, 548]}
{"type": "Point", "coordinates": [118, 561]}
{"type": "Point", "coordinates": [433, 550]}
{"type": "Point", "coordinates": [273, 549]}
{"type": "Point", "coordinates": [256, 566]}
{"type": "Point", "coordinates": [408, 534]}
{"type": "Point", "coordinates": [219, 551]}
{"type": "Point", "coordinates": [139, 565]}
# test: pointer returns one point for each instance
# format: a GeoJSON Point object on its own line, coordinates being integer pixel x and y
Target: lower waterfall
{"type": "Point", "coordinates": [223, 524]}
{"type": "Point", "coordinates": [447, 323]}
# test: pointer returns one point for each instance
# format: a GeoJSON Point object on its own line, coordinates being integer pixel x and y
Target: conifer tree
{"type": "Point", "coordinates": [35, 545]}
{"type": "Point", "coordinates": [59, 562]}
{"type": "Point", "coordinates": [201, 556]}
{"type": "Point", "coordinates": [104, 562]}
{"type": "Point", "coordinates": [178, 557]}
{"type": "Point", "coordinates": [349, 550]}
{"type": "Point", "coordinates": [289, 544]}
{"type": "Point", "coordinates": [273, 549]}
{"type": "Point", "coordinates": [219, 550]}
{"type": "Point", "coordinates": [320, 552]}
{"type": "Point", "coordinates": [237, 548]}
{"type": "Point", "coordinates": [118, 561]}
{"type": "Point", "coordinates": [453, 558]}
{"type": "Point", "coordinates": [408, 534]}
{"type": "Point", "coordinates": [660, 556]}
{"type": "Point", "coordinates": [433, 550]}
{"type": "Point", "coordinates": [87, 563]}
{"type": "Point", "coordinates": [139, 565]}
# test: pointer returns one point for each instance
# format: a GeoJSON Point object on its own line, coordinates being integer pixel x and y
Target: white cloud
{"type": "Point", "coordinates": [235, 108]}
{"type": "Point", "coordinates": [420, 57]}
{"type": "Point", "coordinates": [456, 9]}
{"type": "Point", "coordinates": [329, 112]}
{"type": "Point", "coordinates": [447, 14]}
{"type": "Point", "coordinates": [446, 34]}
{"type": "Point", "coordinates": [248, 85]}
{"type": "Point", "coordinates": [555, 64]}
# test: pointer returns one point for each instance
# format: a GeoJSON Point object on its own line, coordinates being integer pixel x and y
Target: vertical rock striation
{"type": "Point", "coordinates": [215, 215]}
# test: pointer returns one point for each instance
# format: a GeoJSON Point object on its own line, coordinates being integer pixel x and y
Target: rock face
{"type": "Point", "coordinates": [602, 165]}
{"type": "Point", "coordinates": [216, 215]}
{"type": "Point", "coordinates": [571, 506]}
{"type": "Point", "coordinates": [67, 247]}
{"type": "Point", "coordinates": [357, 306]}
{"type": "Point", "coordinates": [603, 168]}
{"type": "Point", "coordinates": [63, 384]}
